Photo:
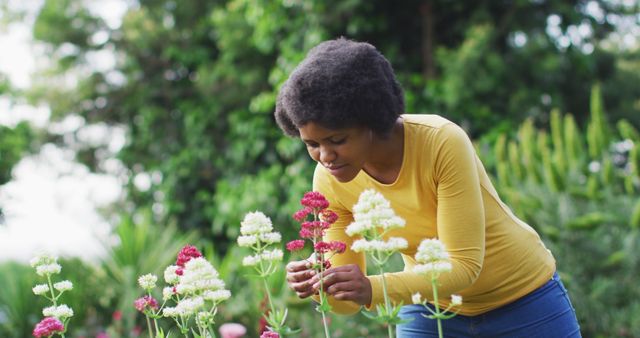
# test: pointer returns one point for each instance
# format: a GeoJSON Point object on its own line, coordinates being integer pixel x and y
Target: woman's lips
{"type": "Point", "coordinates": [334, 170]}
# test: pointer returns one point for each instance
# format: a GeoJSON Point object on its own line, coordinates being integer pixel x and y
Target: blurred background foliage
{"type": "Point", "coordinates": [555, 116]}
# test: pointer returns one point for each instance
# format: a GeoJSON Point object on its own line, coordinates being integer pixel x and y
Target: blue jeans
{"type": "Point", "coordinates": [546, 313]}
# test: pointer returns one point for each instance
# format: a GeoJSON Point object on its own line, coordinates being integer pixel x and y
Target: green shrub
{"type": "Point", "coordinates": [581, 191]}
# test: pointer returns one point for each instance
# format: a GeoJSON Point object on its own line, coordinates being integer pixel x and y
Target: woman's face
{"type": "Point", "coordinates": [343, 152]}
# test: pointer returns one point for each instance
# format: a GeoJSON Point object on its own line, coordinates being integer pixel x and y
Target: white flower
{"type": "Point", "coordinates": [255, 223]}
{"type": "Point", "coordinates": [167, 293]}
{"type": "Point", "coordinates": [371, 212]}
{"type": "Point", "coordinates": [251, 260]}
{"type": "Point", "coordinates": [357, 227]}
{"type": "Point", "coordinates": [198, 276]}
{"type": "Point", "coordinates": [270, 237]}
{"type": "Point", "coordinates": [216, 296]}
{"type": "Point", "coordinates": [40, 289]}
{"type": "Point", "coordinates": [247, 241]}
{"type": "Point", "coordinates": [272, 255]}
{"type": "Point", "coordinates": [65, 285]}
{"type": "Point", "coordinates": [396, 244]}
{"type": "Point", "coordinates": [42, 260]}
{"type": "Point", "coordinates": [429, 268]}
{"type": "Point", "coordinates": [416, 298]}
{"type": "Point", "coordinates": [170, 275]}
{"type": "Point", "coordinates": [147, 281]}
{"type": "Point", "coordinates": [169, 312]}
{"type": "Point", "coordinates": [48, 269]}
{"type": "Point", "coordinates": [392, 245]}
{"type": "Point", "coordinates": [431, 250]}
{"type": "Point", "coordinates": [189, 306]}
{"type": "Point", "coordinates": [362, 245]}
{"type": "Point", "coordinates": [204, 318]}
{"type": "Point", "coordinates": [456, 300]}
{"type": "Point", "coordinates": [60, 311]}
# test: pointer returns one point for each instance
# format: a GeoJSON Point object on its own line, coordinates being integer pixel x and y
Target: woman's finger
{"type": "Point", "coordinates": [346, 295]}
{"type": "Point", "coordinates": [299, 276]}
{"type": "Point", "coordinates": [295, 266]}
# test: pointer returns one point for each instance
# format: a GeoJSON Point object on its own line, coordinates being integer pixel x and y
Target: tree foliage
{"type": "Point", "coordinates": [195, 84]}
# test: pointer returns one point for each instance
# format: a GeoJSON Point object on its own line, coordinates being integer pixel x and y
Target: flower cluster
{"type": "Point", "coordinates": [195, 288]}
{"type": "Point", "coordinates": [316, 205]}
{"type": "Point", "coordinates": [257, 233]}
{"type": "Point", "coordinates": [432, 257]}
{"type": "Point", "coordinates": [433, 260]}
{"type": "Point", "coordinates": [56, 316]}
{"type": "Point", "coordinates": [373, 219]}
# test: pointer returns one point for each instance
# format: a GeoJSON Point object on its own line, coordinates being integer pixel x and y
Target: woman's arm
{"type": "Point", "coordinates": [460, 222]}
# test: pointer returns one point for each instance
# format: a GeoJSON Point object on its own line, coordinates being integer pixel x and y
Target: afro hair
{"type": "Point", "coordinates": [340, 84]}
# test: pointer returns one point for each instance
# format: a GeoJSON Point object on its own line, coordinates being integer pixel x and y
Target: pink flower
{"type": "Point", "coordinates": [328, 216]}
{"type": "Point", "coordinates": [315, 200]}
{"type": "Point", "coordinates": [269, 334]}
{"type": "Point", "coordinates": [322, 247]}
{"type": "Point", "coordinates": [117, 315]}
{"type": "Point", "coordinates": [48, 327]}
{"type": "Point", "coordinates": [305, 233]}
{"type": "Point", "coordinates": [145, 302]}
{"type": "Point", "coordinates": [232, 330]}
{"type": "Point", "coordinates": [301, 214]}
{"type": "Point", "coordinates": [326, 264]}
{"type": "Point", "coordinates": [338, 247]}
{"type": "Point", "coordinates": [185, 255]}
{"type": "Point", "coordinates": [295, 245]}
{"type": "Point", "coordinates": [102, 335]}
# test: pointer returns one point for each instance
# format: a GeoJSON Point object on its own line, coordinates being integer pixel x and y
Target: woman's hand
{"type": "Point", "coordinates": [299, 275]}
{"type": "Point", "coordinates": [345, 282]}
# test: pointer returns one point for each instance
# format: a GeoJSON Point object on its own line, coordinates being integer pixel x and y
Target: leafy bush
{"type": "Point", "coordinates": [581, 191]}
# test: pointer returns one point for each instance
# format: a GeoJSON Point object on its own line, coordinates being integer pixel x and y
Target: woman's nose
{"type": "Point", "coordinates": [327, 155]}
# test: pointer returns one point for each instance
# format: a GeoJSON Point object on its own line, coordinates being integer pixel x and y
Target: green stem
{"type": "Point", "coordinates": [435, 303]}
{"type": "Point", "coordinates": [149, 326]}
{"type": "Point", "coordinates": [266, 288]}
{"type": "Point", "coordinates": [53, 295]}
{"type": "Point", "coordinates": [323, 299]}
{"type": "Point", "coordinates": [324, 323]}
{"type": "Point", "coordinates": [386, 301]}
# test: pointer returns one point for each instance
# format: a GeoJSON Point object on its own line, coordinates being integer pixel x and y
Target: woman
{"type": "Point", "coordinates": [344, 103]}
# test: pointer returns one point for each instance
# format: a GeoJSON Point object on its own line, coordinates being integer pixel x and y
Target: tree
{"type": "Point", "coordinates": [195, 84]}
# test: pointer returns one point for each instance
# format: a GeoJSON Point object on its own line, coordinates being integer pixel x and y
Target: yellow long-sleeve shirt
{"type": "Point", "coordinates": [443, 191]}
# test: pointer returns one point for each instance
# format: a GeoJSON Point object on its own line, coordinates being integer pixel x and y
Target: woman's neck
{"type": "Point", "coordinates": [385, 160]}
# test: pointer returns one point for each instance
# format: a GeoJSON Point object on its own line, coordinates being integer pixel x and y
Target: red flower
{"type": "Point", "coordinates": [295, 245]}
{"type": "Point", "coordinates": [326, 264]}
{"type": "Point", "coordinates": [322, 247]}
{"type": "Point", "coordinates": [47, 327]}
{"type": "Point", "coordinates": [186, 254]}
{"type": "Point", "coordinates": [338, 247]}
{"type": "Point", "coordinates": [117, 315]}
{"type": "Point", "coordinates": [145, 302]}
{"type": "Point", "coordinates": [305, 233]}
{"type": "Point", "coordinates": [328, 216]}
{"type": "Point", "coordinates": [314, 199]}
{"type": "Point", "coordinates": [301, 214]}
{"type": "Point", "coordinates": [269, 334]}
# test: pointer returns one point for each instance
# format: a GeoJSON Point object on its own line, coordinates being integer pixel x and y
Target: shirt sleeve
{"type": "Point", "coordinates": [460, 223]}
{"type": "Point", "coordinates": [337, 232]}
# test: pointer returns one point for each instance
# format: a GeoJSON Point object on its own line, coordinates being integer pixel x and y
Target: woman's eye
{"type": "Point", "coordinates": [339, 141]}
{"type": "Point", "coordinates": [312, 145]}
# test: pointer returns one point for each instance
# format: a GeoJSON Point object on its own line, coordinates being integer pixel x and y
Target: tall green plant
{"type": "Point", "coordinates": [143, 247]}
{"type": "Point", "coordinates": [581, 191]}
